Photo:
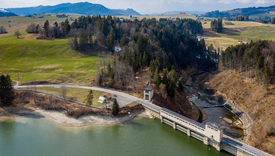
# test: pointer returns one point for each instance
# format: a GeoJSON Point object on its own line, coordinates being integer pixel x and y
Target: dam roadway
{"type": "Point", "coordinates": [209, 134]}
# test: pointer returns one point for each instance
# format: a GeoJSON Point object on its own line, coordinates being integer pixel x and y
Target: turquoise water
{"type": "Point", "coordinates": [27, 136]}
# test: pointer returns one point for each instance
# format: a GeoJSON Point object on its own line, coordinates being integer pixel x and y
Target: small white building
{"type": "Point", "coordinates": [101, 99]}
{"type": "Point", "coordinates": [213, 131]}
{"type": "Point", "coordinates": [148, 94]}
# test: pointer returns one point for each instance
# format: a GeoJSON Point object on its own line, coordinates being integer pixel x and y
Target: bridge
{"type": "Point", "coordinates": [209, 134]}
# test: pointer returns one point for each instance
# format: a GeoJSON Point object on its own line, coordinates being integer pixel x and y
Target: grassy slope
{"type": "Point", "coordinates": [21, 19]}
{"type": "Point", "coordinates": [244, 31]}
{"type": "Point", "coordinates": [49, 60]}
{"type": "Point", "coordinates": [76, 94]}
{"type": "Point", "coordinates": [251, 98]}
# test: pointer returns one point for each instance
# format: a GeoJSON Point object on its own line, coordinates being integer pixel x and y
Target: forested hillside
{"type": "Point", "coordinates": [153, 52]}
{"type": "Point", "coordinates": [7, 14]}
{"type": "Point", "coordinates": [257, 59]}
{"type": "Point", "coordinates": [240, 12]}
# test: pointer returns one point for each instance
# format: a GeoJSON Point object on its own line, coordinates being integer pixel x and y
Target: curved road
{"type": "Point", "coordinates": [121, 97]}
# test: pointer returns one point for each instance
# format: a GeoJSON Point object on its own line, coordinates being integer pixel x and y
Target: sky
{"type": "Point", "coordinates": [150, 6]}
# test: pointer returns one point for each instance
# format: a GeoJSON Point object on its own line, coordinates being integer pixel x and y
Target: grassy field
{"type": "Point", "coordinates": [48, 60]}
{"type": "Point", "coordinates": [4, 21]}
{"type": "Point", "coordinates": [163, 16]}
{"type": "Point", "coordinates": [76, 94]}
{"type": "Point", "coordinates": [236, 24]}
{"type": "Point", "coordinates": [244, 31]}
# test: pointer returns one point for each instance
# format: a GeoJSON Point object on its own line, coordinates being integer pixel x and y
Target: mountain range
{"type": "Point", "coordinates": [251, 11]}
{"type": "Point", "coordinates": [84, 8]}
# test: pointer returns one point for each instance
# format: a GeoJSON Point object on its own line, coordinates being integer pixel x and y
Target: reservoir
{"type": "Point", "coordinates": [30, 136]}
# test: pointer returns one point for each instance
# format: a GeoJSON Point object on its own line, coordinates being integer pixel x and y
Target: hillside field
{"type": "Point", "coordinates": [244, 31]}
{"type": "Point", "coordinates": [45, 60]}
{"type": "Point", "coordinates": [4, 21]}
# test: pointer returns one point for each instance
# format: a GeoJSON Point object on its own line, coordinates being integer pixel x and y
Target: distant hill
{"type": "Point", "coordinates": [187, 12]}
{"type": "Point", "coordinates": [241, 12]}
{"type": "Point", "coordinates": [84, 8]}
{"type": "Point", "coordinates": [177, 12]}
{"type": "Point", "coordinates": [6, 14]}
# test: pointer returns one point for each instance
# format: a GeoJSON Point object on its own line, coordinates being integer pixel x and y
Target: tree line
{"type": "Point", "coordinates": [216, 25]}
{"type": "Point", "coordinates": [242, 18]}
{"type": "Point", "coordinates": [257, 59]}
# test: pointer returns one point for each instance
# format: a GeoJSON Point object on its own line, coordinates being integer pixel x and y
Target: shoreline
{"type": "Point", "coordinates": [61, 119]}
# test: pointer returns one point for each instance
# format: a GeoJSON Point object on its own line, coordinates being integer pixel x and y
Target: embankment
{"type": "Point", "coordinates": [249, 98]}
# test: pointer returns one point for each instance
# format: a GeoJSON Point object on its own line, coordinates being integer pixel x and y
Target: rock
{"type": "Point", "coordinates": [228, 120]}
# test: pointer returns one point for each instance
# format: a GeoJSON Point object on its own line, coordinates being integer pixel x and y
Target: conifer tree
{"type": "Point", "coordinates": [90, 96]}
{"type": "Point", "coordinates": [110, 41]}
{"type": "Point", "coordinates": [67, 27]}
{"type": "Point", "coordinates": [115, 108]}
{"type": "Point", "coordinates": [83, 40]}
{"type": "Point", "coordinates": [46, 28]}
{"type": "Point", "coordinates": [6, 91]}
{"type": "Point", "coordinates": [124, 40]}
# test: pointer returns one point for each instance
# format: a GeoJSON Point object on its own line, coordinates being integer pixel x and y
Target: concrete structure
{"type": "Point", "coordinates": [213, 131]}
{"type": "Point", "coordinates": [148, 94]}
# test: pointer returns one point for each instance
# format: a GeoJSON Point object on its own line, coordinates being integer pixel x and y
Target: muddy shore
{"type": "Point", "coordinates": [62, 119]}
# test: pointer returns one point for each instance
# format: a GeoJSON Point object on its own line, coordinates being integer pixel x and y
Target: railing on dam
{"type": "Point", "coordinates": [209, 134]}
{"type": "Point", "coordinates": [182, 120]}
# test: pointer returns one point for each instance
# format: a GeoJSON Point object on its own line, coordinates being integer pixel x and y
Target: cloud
{"type": "Point", "coordinates": [262, 1]}
{"type": "Point", "coordinates": [180, 1]}
{"type": "Point", "coordinates": [244, 1]}
{"type": "Point", "coordinates": [224, 1]}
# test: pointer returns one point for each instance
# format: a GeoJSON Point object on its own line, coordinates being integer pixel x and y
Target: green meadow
{"type": "Point", "coordinates": [244, 31]}
{"type": "Point", "coordinates": [75, 94]}
{"type": "Point", "coordinates": [4, 21]}
{"type": "Point", "coordinates": [45, 60]}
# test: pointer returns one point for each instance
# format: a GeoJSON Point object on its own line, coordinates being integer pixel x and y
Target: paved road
{"type": "Point", "coordinates": [122, 98]}
{"type": "Point", "coordinates": [242, 146]}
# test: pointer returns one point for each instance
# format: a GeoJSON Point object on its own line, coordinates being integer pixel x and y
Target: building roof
{"type": "Point", "coordinates": [109, 95]}
{"type": "Point", "coordinates": [214, 125]}
{"type": "Point", "coordinates": [148, 89]}
{"type": "Point", "coordinates": [101, 99]}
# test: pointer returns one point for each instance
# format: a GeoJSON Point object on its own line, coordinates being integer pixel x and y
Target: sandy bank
{"type": "Point", "coordinates": [62, 119]}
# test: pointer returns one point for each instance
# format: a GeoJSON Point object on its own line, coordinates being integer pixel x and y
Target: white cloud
{"type": "Point", "coordinates": [244, 1]}
{"type": "Point", "coordinates": [180, 1]}
{"type": "Point", "coordinates": [262, 1]}
{"type": "Point", "coordinates": [225, 1]}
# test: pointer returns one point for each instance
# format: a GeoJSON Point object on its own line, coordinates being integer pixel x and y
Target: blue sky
{"type": "Point", "coordinates": [150, 6]}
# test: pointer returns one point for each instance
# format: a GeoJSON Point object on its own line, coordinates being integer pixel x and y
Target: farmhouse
{"type": "Point", "coordinates": [108, 96]}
